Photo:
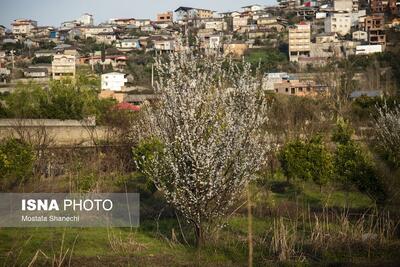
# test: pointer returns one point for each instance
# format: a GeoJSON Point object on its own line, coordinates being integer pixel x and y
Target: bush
{"type": "Point", "coordinates": [16, 162]}
{"type": "Point", "coordinates": [307, 160]}
{"type": "Point", "coordinates": [353, 166]}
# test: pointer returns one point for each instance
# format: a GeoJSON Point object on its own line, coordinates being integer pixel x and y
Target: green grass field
{"type": "Point", "coordinates": [160, 243]}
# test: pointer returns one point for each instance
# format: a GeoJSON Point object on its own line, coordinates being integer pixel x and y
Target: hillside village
{"type": "Point", "coordinates": [302, 36]}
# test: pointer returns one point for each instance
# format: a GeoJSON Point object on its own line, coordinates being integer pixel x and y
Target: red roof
{"type": "Point", "coordinates": [127, 106]}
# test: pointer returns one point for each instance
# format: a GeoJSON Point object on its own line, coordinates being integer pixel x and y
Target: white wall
{"type": "Point", "coordinates": [113, 81]}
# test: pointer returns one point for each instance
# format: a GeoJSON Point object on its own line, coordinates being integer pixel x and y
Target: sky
{"type": "Point", "coordinates": [53, 12]}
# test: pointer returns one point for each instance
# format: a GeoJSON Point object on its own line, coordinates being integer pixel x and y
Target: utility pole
{"type": "Point", "coordinates": [152, 76]}
{"type": "Point", "coordinates": [12, 58]}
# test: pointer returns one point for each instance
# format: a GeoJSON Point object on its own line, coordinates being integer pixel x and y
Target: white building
{"type": "Point", "coordinates": [299, 41]}
{"type": "Point", "coordinates": [368, 49]}
{"type": "Point", "coordinates": [360, 36]}
{"type": "Point", "coordinates": [343, 5]}
{"type": "Point", "coordinates": [63, 66]}
{"type": "Point", "coordinates": [23, 26]}
{"type": "Point", "coordinates": [339, 23]}
{"type": "Point", "coordinates": [113, 81]}
{"type": "Point", "coordinates": [86, 19]}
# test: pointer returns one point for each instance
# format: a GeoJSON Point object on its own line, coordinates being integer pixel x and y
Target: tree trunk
{"type": "Point", "coordinates": [198, 232]}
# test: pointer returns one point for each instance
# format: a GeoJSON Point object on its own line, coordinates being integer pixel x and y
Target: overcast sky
{"type": "Point", "coordinates": [53, 12]}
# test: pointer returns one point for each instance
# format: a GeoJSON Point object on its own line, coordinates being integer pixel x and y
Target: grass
{"type": "Point", "coordinates": [285, 229]}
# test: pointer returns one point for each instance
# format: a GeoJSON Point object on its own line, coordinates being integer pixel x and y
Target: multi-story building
{"type": "Point", "coordinates": [377, 6]}
{"type": "Point", "coordinates": [63, 66]}
{"type": "Point", "coordinates": [394, 7]}
{"type": "Point", "coordinates": [339, 23]}
{"type": "Point", "coordinates": [113, 81]}
{"type": "Point", "coordinates": [23, 27]}
{"type": "Point", "coordinates": [189, 13]}
{"type": "Point", "coordinates": [299, 41]}
{"type": "Point", "coordinates": [86, 19]}
{"type": "Point", "coordinates": [374, 26]}
{"type": "Point", "coordinates": [165, 17]}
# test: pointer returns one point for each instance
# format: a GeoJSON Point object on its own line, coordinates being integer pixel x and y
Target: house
{"type": "Point", "coordinates": [238, 22]}
{"type": "Point", "coordinates": [23, 27]}
{"type": "Point", "coordinates": [127, 44]}
{"type": "Point", "coordinates": [2, 30]}
{"type": "Point", "coordinates": [252, 8]}
{"type": "Point", "coordinates": [67, 25]}
{"type": "Point", "coordinates": [266, 20]}
{"type": "Point", "coordinates": [142, 22]}
{"type": "Point", "coordinates": [45, 53]}
{"type": "Point", "coordinates": [326, 38]}
{"type": "Point", "coordinates": [123, 21]}
{"type": "Point", "coordinates": [105, 37]}
{"type": "Point", "coordinates": [343, 5]}
{"type": "Point", "coordinates": [164, 44]}
{"type": "Point", "coordinates": [86, 19]}
{"type": "Point", "coordinates": [360, 36]}
{"type": "Point", "coordinates": [291, 85]}
{"type": "Point", "coordinates": [35, 72]}
{"type": "Point", "coordinates": [299, 41]}
{"type": "Point", "coordinates": [189, 13]}
{"type": "Point", "coordinates": [92, 31]}
{"type": "Point", "coordinates": [63, 66]}
{"type": "Point", "coordinates": [216, 24]}
{"type": "Point", "coordinates": [113, 81]}
{"type": "Point", "coordinates": [147, 28]}
{"type": "Point", "coordinates": [368, 49]}
{"type": "Point", "coordinates": [272, 78]}
{"type": "Point", "coordinates": [235, 48]}
{"type": "Point", "coordinates": [165, 17]}
{"type": "Point", "coordinates": [339, 23]}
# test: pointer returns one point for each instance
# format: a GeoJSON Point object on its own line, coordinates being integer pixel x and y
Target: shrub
{"type": "Point", "coordinates": [307, 160]}
{"type": "Point", "coordinates": [16, 162]}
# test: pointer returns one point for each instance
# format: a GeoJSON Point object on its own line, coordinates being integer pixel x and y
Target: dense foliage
{"type": "Point", "coordinates": [16, 162]}
{"type": "Point", "coordinates": [62, 100]}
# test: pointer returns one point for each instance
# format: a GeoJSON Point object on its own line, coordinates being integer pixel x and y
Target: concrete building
{"type": "Point", "coordinates": [105, 38]}
{"type": "Point", "coordinates": [63, 66]}
{"type": "Point", "coordinates": [216, 24]}
{"type": "Point", "coordinates": [86, 19]}
{"type": "Point", "coordinates": [376, 6]}
{"type": "Point", "coordinates": [360, 36]}
{"type": "Point", "coordinates": [164, 45]}
{"type": "Point", "coordinates": [128, 44]}
{"type": "Point", "coordinates": [23, 27]}
{"type": "Point", "coordinates": [299, 41]}
{"type": "Point", "coordinates": [368, 49]}
{"type": "Point", "coordinates": [113, 81]}
{"type": "Point", "coordinates": [35, 72]}
{"type": "Point", "coordinates": [123, 21]}
{"type": "Point", "coordinates": [165, 17]}
{"type": "Point", "coordinates": [343, 5]}
{"type": "Point", "coordinates": [189, 13]}
{"type": "Point", "coordinates": [374, 26]}
{"type": "Point", "coordinates": [339, 23]}
{"type": "Point", "coordinates": [252, 8]}
{"type": "Point", "coordinates": [239, 22]}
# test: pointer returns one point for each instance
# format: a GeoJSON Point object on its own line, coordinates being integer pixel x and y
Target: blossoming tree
{"type": "Point", "coordinates": [209, 119]}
